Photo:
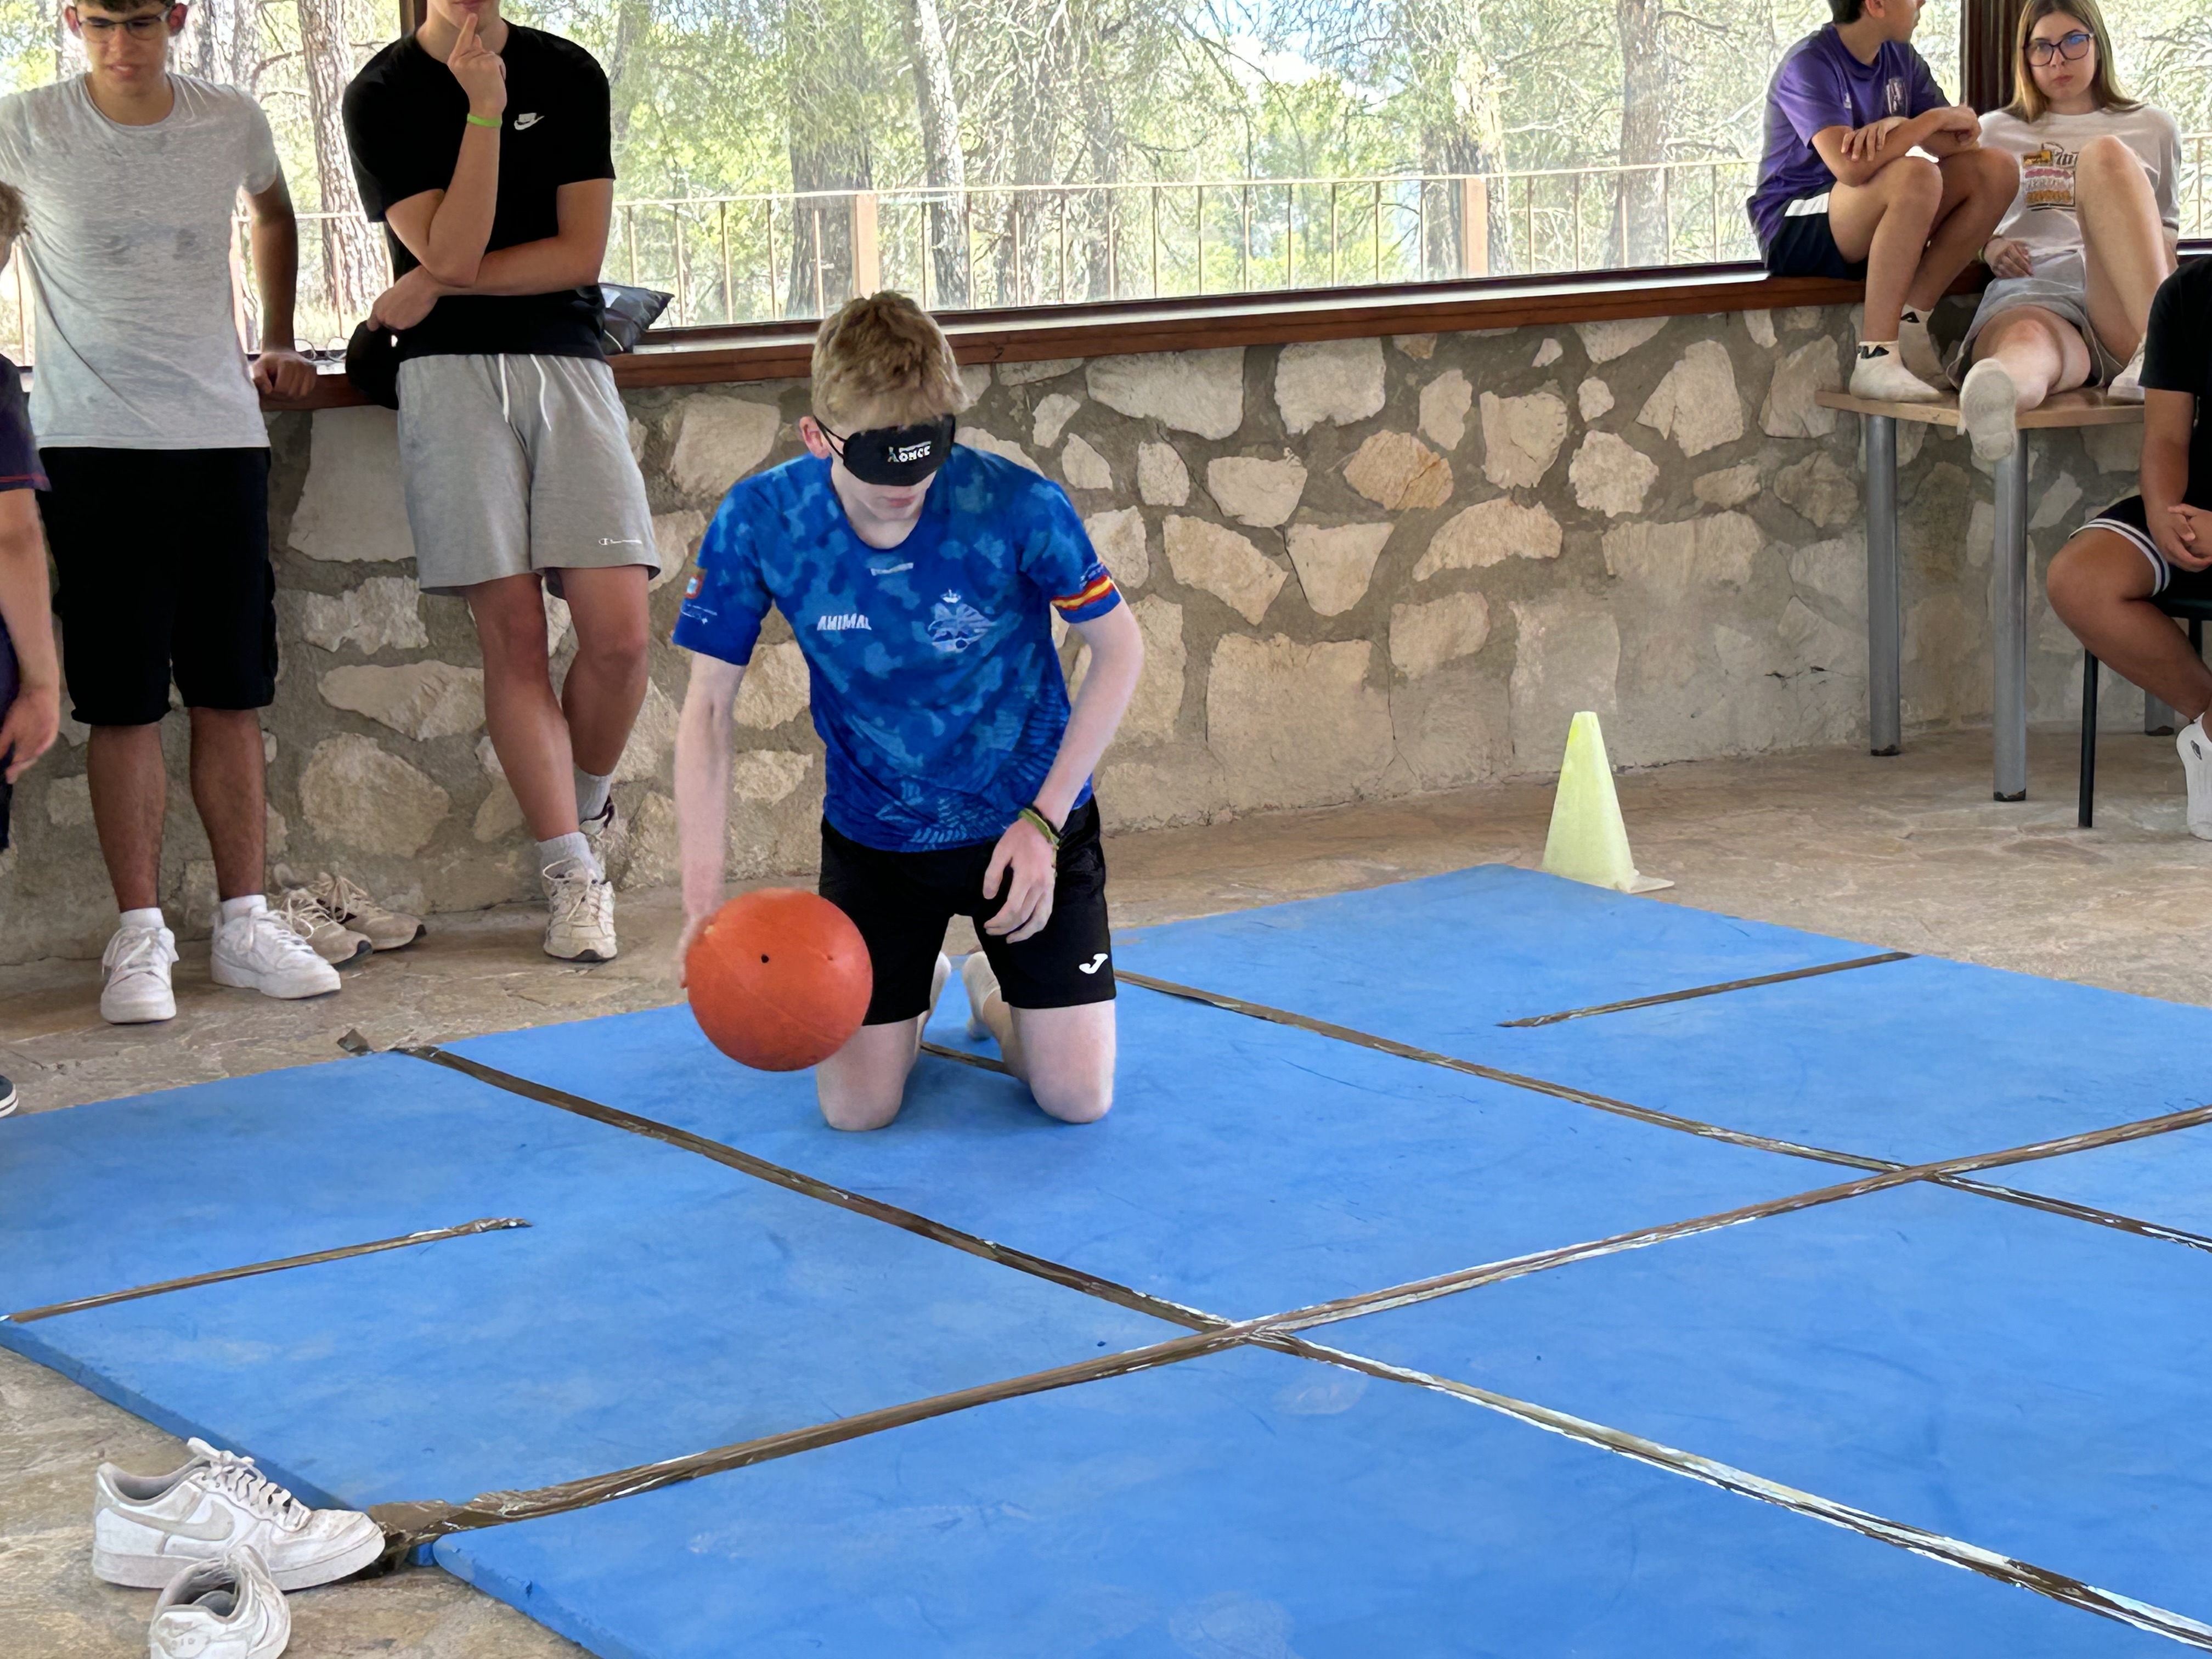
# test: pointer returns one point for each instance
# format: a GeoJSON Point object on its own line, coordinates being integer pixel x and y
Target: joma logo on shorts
{"type": "Point", "coordinates": [841, 621]}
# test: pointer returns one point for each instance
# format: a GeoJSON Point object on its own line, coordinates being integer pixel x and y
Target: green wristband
{"type": "Point", "coordinates": [1042, 825]}
{"type": "Point", "coordinates": [476, 120]}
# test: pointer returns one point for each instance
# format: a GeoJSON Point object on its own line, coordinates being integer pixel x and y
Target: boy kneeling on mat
{"type": "Point", "coordinates": [920, 579]}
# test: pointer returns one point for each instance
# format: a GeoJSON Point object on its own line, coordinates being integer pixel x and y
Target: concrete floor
{"type": "Point", "coordinates": [1905, 853]}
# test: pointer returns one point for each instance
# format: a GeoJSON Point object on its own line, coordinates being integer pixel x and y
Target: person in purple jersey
{"type": "Point", "coordinates": [1871, 174]}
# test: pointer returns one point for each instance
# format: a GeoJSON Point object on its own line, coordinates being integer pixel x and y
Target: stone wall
{"type": "Point", "coordinates": [1363, 569]}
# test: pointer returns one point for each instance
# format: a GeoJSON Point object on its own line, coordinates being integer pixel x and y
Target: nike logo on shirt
{"type": "Point", "coordinates": [524, 122]}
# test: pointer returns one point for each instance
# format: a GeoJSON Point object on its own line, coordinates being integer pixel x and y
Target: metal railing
{"type": "Point", "coordinates": [763, 257]}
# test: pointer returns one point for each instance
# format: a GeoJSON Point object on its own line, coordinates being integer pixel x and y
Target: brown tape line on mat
{"type": "Point", "coordinates": [410, 1525]}
{"type": "Point", "coordinates": [810, 1186]}
{"type": "Point", "coordinates": [1652, 1114]}
{"type": "Point", "coordinates": [1936, 1546]}
{"type": "Point", "coordinates": [1697, 990]}
{"type": "Point", "coordinates": [106, 1298]}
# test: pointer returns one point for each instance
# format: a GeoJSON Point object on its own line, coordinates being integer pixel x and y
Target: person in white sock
{"type": "Point", "coordinates": [2089, 237]}
{"type": "Point", "coordinates": [1871, 174]}
{"type": "Point", "coordinates": [2108, 581]}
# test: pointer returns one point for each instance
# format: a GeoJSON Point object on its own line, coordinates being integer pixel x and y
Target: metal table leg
{"type": "Point", "coordinates": [1885, 625]}
{"type": "Point", "coordinates": [2008, 625]}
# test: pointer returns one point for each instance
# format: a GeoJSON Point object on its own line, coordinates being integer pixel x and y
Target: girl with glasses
{"type": "Point", "coordinates": [2089, 237]}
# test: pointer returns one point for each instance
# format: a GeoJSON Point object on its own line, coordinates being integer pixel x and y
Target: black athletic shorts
{"type": "Point", "coordinates": [1805, 247]}
{"type": "Point", "coordinates": [2128, 519]}
{"type": "Point", "coordinates": [162, 561]}
{"type": "Point", "coordinates": [902, 902]}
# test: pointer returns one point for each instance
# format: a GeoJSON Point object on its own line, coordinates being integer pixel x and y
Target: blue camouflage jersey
{"type": "Point", "coordinates": [935, 684]}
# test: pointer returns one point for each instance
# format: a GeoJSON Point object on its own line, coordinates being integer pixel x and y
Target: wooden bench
{"type": "Point", "coordinates": [2008, 572]}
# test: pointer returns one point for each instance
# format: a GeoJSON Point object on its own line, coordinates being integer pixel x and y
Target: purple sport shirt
{"type": "Point", "coordinates": [1820, 85]}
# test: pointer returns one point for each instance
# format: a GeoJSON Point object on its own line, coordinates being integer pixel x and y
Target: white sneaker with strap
{"type": "Point", "coordinates": [145, 1528]}
{"type": "Point", "coordinates": [580, 906]}
{"type": "Point", "coordinates": [387, 930]}
{"type": "Point", "coordinates": [331, 938]}
{"type": "Point", "coordinates": [225, 1609]}
{"type": "Point", "coordinates": [137, 960]}
{"type": "Point", "coordinates": [257, 951]}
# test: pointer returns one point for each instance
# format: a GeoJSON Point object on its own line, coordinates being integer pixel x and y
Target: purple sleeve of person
{"type": "Point", "coordinates": [1809, 95]}
{"type": "Point", "coordinates": [1926, 94]}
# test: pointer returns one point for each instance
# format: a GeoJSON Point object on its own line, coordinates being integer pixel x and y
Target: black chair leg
{"type": "Point", "coordinates": [2083, 813]}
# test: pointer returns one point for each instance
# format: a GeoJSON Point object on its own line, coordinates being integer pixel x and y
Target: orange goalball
{"type": "Point", "coordinates": [780, 980]}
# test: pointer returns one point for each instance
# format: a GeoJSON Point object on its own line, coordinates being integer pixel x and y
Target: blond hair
{"type": "Point", "coordinates": [12, 213]}
{"type": "Point", "coordinates": [2028, 103]}
{"type": "Point", "coordinates": [884, 357]}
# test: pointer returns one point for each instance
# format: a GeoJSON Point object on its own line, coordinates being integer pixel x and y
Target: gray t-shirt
{"type": "Point", "coordinates": [2043, 217]}
{"type": "Point", "coordinates": [129, 256]}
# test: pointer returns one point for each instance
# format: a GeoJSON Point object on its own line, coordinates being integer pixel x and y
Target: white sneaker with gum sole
{"type": "Point", "coordinates": [225, 1609]}
{"type": "Point", "coordinates": [145, 1528]}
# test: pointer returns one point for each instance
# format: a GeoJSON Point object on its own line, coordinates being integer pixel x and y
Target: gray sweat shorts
{"type": "Point", "coordinates": [514, 464]}
{"type": "Point", "coordinates": [2062, 287]}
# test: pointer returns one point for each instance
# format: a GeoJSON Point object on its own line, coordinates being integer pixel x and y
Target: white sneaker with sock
{"type": "Point", "coordinates": [1881, 376]}
{"type": "Point", "coordinates": [225, 1609]}
{"type": "Point", "coordinates": [137, 960]}
{"type": "Point", "coordinates": [257, 951]}
{"type": "Point", "coordinates": [148, 1528]}
{"type": "Point", "coordinates": [2196, 767]}
{"type": "Point", "coordinates": [2127, 386]}
{"type": "Point", "coordinates": [1989, 407]}
{"type": "Point", "coordinates": [579, 912]}
{"type": "Point", "coordinates": [980, 983]}
{"type": "Point", "coordinates": [1918, 348]}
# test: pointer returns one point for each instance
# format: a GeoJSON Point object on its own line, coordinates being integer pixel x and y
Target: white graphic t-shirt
{"type": "Point", "coordinates": [2042, 216]}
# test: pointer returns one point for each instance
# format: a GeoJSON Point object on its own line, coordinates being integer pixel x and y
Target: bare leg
{"type": "Point", "coordinates": [1886, 222]}
{"type": "Point", "coordinates": [227, 769]}
{"type": "Point", "coordinates": [2041, 350]}
{"type": "Point", "coordinates": [1978, 185]}
{"type": "Point", "coordinates": [1064, 1055]}
{"type": "Point", "coordinates": [863, 1084]}
{"type": "Point", "coordinates": [2100, 586]}
{"type": "Point", "coordinates": [605, 684]}
{"type": "Point", "coordinates": [129, 792]}
{"type": "Point", "coordinates": [527, 731]}
{"type": "Point", "coordinates": [2127, 252]}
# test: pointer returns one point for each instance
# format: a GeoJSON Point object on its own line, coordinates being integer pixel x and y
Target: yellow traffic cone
{"type": "Point", "coordinates": [1587, 841]}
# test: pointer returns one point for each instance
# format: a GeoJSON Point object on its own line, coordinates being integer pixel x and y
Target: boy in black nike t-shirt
{"type": "Point", "coordinates": [486, 149]}
{"type": "Point", "coordinates": [2105, 584]}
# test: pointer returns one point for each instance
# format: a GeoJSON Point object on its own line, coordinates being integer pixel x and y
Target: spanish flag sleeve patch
{"type": "Point", "coordinates": [1094, 599]}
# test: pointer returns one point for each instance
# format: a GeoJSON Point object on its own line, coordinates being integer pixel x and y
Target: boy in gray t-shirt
{"type": "Point", "coordinates": [149, 424]}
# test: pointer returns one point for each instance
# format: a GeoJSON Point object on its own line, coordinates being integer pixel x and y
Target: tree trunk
{"type": "Point", "coordinates": [222, 42]}
{"type": "Point", "coordinates": [354, 268]}
{"type": "Point", "coordinates": [829, 146]}
{"type": "Point", "coordinates": [633, 25]}
{"type": "Point", "coordinates": [1470, 142]}
{"type": "Point", "coordinates": [944, 163]}
{"type": "Point", "coordinates": [1638, 235]}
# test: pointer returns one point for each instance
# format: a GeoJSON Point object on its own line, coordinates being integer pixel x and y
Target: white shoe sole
{"type": "Point", "coordinates": [156, 1571]}
{"type": "Point", "coordinates": [590, 956]}
{"type": "Point", "coordinates": [1989, 407]}
{"type": "Point", "coordinates": [287, 989]}
{"type": "Point", "coordinates": [152, 1013]}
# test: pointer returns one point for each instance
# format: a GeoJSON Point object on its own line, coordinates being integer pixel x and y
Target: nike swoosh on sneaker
{"type": "Point", "coordinates": [216, 1530]}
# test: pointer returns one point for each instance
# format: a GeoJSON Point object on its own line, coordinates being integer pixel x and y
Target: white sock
{"type": "Point", "coordinates": [571, 846]}
{"type": "Point", "coordinates": [1911, 318]}
{"type": "Point", "coordinates": [150, 920]}
{"type": "Point", "coordinates": [591, 792]}
{"type": "Point", "coordinates": [246, 905]}
{"type": "Point", "coordinates": [1877, 346]}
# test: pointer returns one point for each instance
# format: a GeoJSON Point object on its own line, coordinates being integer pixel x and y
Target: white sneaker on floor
{"type": "Point", "coordinates": [137, 960]}
{"type": "Point", "coordinates": [387, 930]}
{"type": "Point", "coordinates": [145, 1528]}
{"type": "Point", "coordinates": [328, 937]}
{"type": "Point", "coordinates": [225, 1609]}
{"type": "Point", "coordinates": [259, 952]}
{"type": "Point", "coordinates": [1989, 407]}
{"type": "Point", "coordinates": [2127, 386]}
{"type": "Point", "coordinates": [1880, 377]}
{"type": "Point", "coordinates": [579, 912]}
{"type": "Point", "coordinates": [2197, 766]}
{"type": "Point", "coordinates": [1918, 348]}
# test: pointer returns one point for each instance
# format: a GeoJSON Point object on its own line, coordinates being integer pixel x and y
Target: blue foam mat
{"type": "Point", "coordinates": [2020, 1380]}
{"type": "Point", "coordinates": [1246, 1169]}
{"type": "Point", "coordinates": [1246, 1506]}
{"type": "Point", "coordinates": [660, 1304]}
{"type": "Point", "coordinates": [1912, 1061]}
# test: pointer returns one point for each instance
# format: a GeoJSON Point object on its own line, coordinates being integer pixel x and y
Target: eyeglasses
{"type": "Point", "coordinates": [2073, 48]}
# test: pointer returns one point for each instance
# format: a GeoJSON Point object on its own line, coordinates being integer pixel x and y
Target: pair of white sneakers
{"type": "Point", "coordinates": [257, 952]}
{"type": "Point", "coordinates": [222, 1543]}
